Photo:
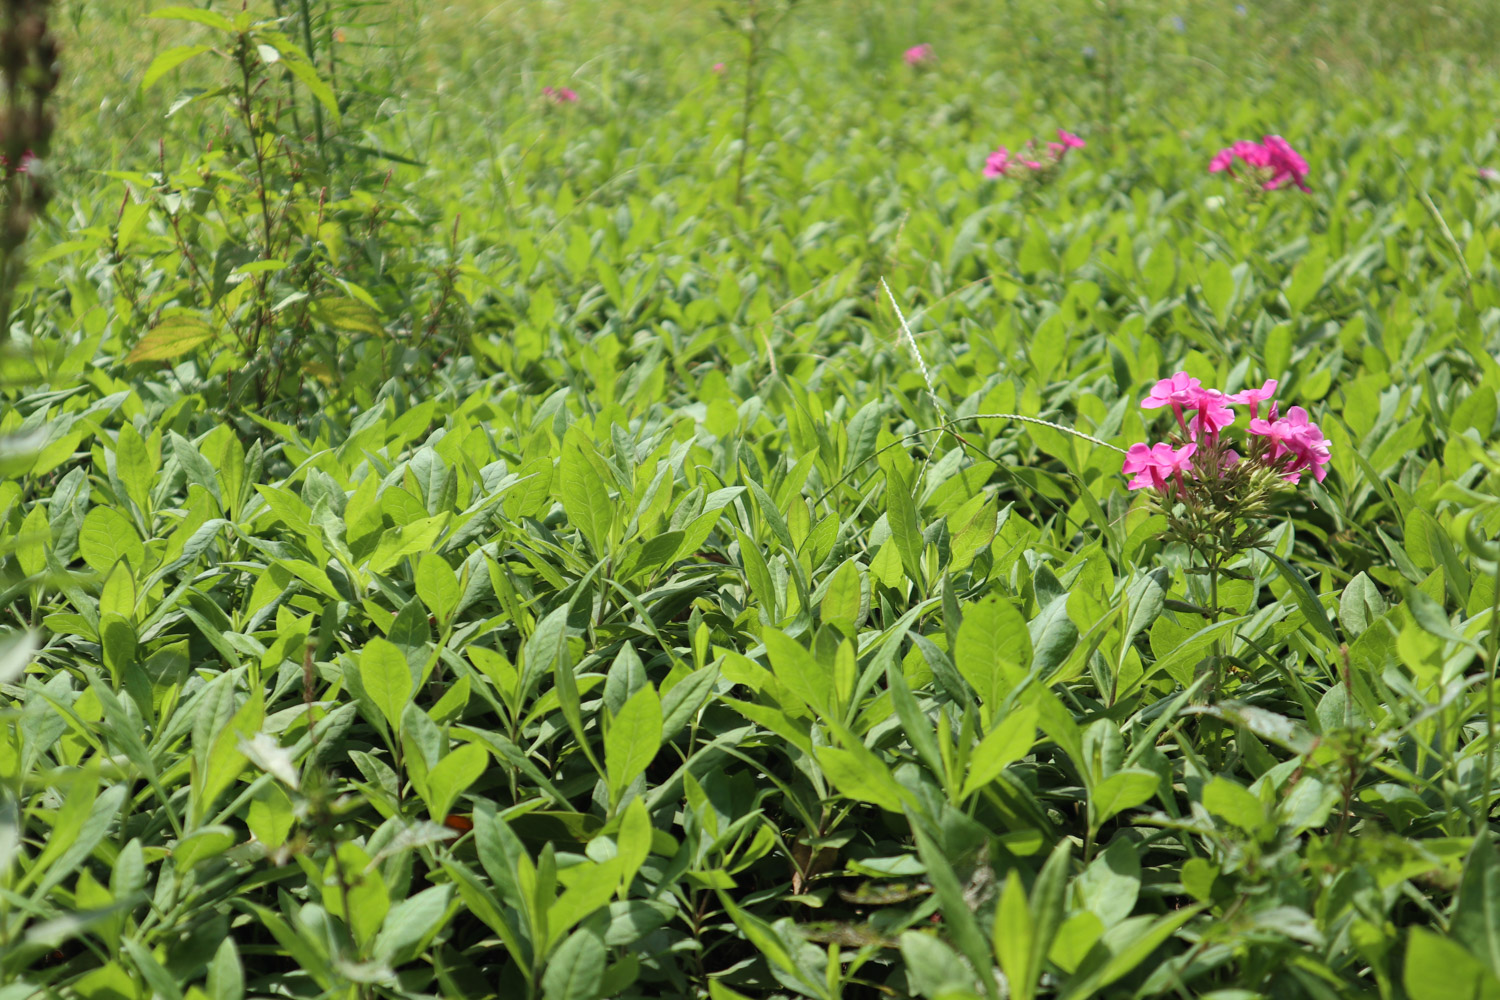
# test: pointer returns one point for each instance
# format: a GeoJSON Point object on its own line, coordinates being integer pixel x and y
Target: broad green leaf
{"type": "Point", "coordinates": [453, 775]}
{"type": "Point", "coordinates": [633, 739]}
{"type": "Point", "coordinates": [412, 923]}
{"type": "Point", "coordinates": [207, 18]}
{"type": "Point", "coordinates": [576, 970]}
{"type": "Point", "coordinates": [387, 679]}
{"type": "Point", "coordinates": [1008, 742]}
{"type": "Point", "coordinates": [585, 496]}
{"type": "Point", "coordinates": [172, 338]}
{"type": "Point", "coordinates": [169, 60]}
{"type": "Point", "coordinates": [1438, 968]}
{"type": "Point", "coordinates": [1124, 790]}
{"type": "Point", "coordinates": [993, 651]}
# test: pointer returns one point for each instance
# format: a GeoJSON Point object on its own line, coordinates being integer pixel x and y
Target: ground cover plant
{"type": "Point", "coordinates": [791, 499]}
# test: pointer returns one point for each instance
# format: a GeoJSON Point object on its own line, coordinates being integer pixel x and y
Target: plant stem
{"type": "Point", "coordinates": [752, 52]}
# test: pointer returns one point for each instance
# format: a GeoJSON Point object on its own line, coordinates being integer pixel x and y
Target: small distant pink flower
{"type": "Point", "coordinates": [560, 95]}
{"type": "Point", "coordinates": [997, 163]}
{"type": "Point", "coordinates": [1069, 140]}
{"type": "Point", "coordinates": [719, 69]}
{"type": "Point", "coordinates": [1489, 174]}
{"type": "Point", "coordinates": [918, 55]}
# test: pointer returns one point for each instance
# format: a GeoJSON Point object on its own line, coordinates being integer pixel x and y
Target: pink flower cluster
{"type": "Point", "coordinates": [1001, 163]}
{"type": "Point", "coordinates": [560, 95]}
{"type": "Point", "coordinates": [1291, 444]}
{"type": "Point", "coordinates": [918, 55]}
{"type": "Point", "coordinates": [1271, 163]}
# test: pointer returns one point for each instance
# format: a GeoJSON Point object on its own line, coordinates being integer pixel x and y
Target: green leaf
{"type": "Point", "coordinates": [1476, 918]}
{"type": "Point", "coordinates": [843, 598]}
{"type": "Point", "coordinates": [1015, 938]}
{"type": "Point", "coordinates": [171, 338]}
{"type": "Point", "coordinates": [315, 85]}
{"type": "Point", "coordinates": [437, 586]}
{"type": "Point", "coordinates": [1229, 800]}
{"type": "Point", "coordinates": [932, 968]}
{"type": "Point", "coordinates": [860, 776]}
{"type": "Point", "coordinates": [1312, 607]}
{"type": "Point", "coordinates": [585, 496]}
{"type": "Point", "coordinates": [452, 776]}
{"type": "Point", "coordinates": [1001, 747]}
{"type": "Point", "coordinates": [226, 974]}
{"type": "Point", "coordinates": [387, 679]}
{"type": "Point", "coordinates": [1438, 968]}
{"type": "Point", "coordinates": [993, 650]}
{"type": "Point", "coordinates": [412, 923]}
{"type": "Point", "coordinates": [906, 533]}
{"type": "Point", "coordinates": [633, 740]}
{"type": "Point", "coordinates": [207, 18]}
{"type": "Point", "coordinates": [576, 970]}
{"type": "Point", "coordinates": [1120, 791]}
{"type": "Point", "coordinates": [169, 60]}
{"type": "Point", "coordinates": [348, 315]}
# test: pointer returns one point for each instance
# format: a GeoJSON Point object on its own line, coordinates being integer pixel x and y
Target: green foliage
{"type": "Point", "coordinates": [463, 544]}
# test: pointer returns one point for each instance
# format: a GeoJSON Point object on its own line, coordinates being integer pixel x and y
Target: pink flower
{"type": "Point", "coordinates": [1212, 416]}
{"type": "Point", "coordinates": [1153, 466]}
{"type": "Point", "coordinates": [918, 55]}
{"type": "Point", "coordinates": [1489, 174]}
{"type": "Point", "coordinates": [1287, 163]}
{"type": "Point", "coordinates": [719, 69]}
{"type": "Point", "coordinates": [1069, 140]}
{"type": "Point", "coordinates": [997, 163]}
{"type": "Point", "coordinates": [1273, 162]}
{"type": "Point", "coordinates": [1296, 442]}
{"type": "Point", "coordinates": [1179, 390]}
{"type": "Point", "coordinates": [560, 95]}
{"type": "Point", "coordinates": [1254, 397]}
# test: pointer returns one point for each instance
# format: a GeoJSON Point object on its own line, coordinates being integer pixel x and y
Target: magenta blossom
{"type": "Point", "coordinates": [1293, 444]}
{"type": "Point", "coordinates": [1272, 163]}
{"type": "Point", "coordinates": [997, 163]}
{"type": "Point", "coordinates": [1029, 164]}
{"type": "Point", "coordinates": [719, 69]}
{"type": "Point", "coordinates": [1254, 397]}
{"type": "Point", "coordinates": [1489, 174]}
{"type": "Point", "coordinates": [1179, 390]}
{"type": "Point", "coordinates": [1296, 443]}
{"type": "Point", "coordinates": [560, 95]}
{"type": "Point", "coordinates": [918, 55]}
{"type": "Point", "coordinates": [1153, 466]}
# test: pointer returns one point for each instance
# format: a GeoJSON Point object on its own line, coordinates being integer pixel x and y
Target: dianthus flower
{"type": "Point", "coordinates": [560, 95]}
{"type": "Point", "coordinates": [918, 55]}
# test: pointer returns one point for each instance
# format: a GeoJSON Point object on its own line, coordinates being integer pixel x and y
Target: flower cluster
{"type": "Point", "coordinates": [1031, 163]}
{"type": "Point", "coordinates": [1286, 446]}
{"type": "Point", "coordinates": [560, 95]}
{"type": "Point", "coordinates": [1216, 493]}
{"type": "Point", "coordinates": [1269, 164]}
{"type": "Point", "coordinates": [918, 55]}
